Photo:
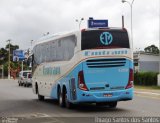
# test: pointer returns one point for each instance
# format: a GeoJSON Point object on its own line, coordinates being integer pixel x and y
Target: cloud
{"type": "Point", "coordinates": [26, 20]}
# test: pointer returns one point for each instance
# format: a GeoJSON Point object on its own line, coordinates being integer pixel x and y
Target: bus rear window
{"type": "Point", "coordinates": [104, 39]}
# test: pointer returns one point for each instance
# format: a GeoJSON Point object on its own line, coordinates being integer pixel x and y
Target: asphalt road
{"type": "Point", "coordinates": [20, 102]}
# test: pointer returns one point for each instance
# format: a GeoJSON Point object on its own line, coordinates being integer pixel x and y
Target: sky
{"type": "Point", "coordinates": [26, 20]}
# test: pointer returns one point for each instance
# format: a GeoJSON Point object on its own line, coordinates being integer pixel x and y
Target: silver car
{"type": "Point", "coordinates": [22, 76]}
{"type": "Point", "coordinates": [28, 80]}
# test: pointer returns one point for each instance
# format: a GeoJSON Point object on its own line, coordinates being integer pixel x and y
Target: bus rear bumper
{"type": "Point", "coordinates": [104, 96]}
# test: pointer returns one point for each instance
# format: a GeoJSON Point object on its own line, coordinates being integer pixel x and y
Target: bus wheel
{"type": "Point", "coordinates": [61, 98]}
{"type": "Point", "coordinates": [40, 97]}
{"type": "Point", "coordinates": [67, 103]}
{"type": "Point", "coordinates": [112, 104]}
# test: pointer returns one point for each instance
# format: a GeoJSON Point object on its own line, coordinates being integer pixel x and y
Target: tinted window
{"type": "Point", "coordinates": [56, 50]}
{"type": "Point", "coordinates": [104, 39]}
{"type": "Point", "coordinates": [25, 74]}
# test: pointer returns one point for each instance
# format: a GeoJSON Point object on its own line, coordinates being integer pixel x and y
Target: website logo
{"type": "Point", "coordinates": [106, 38]}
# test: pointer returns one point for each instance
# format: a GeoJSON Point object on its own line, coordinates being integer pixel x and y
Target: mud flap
{"type": "Point", "coordinates": [72, 85]}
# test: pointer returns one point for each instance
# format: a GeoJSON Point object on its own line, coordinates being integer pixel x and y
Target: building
{"type": "Point", "coordinates": [144, 62]}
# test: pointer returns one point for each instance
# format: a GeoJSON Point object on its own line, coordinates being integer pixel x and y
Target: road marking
{"type": "Point", "coordinates": [53, 120]}
{"type": "Point", "coordinates": [150, 93]}
{"type": "Point", "coordinates": [157, 98]}
{"type": "Point", "coordinates": [39, 115]}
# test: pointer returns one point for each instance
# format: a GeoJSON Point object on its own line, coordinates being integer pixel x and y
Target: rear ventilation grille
{"type": "Point", "coordinates": [105, 63]}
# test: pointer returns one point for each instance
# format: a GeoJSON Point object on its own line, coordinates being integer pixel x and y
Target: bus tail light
{"type": "Point", "coordinates": [130, 80]}
{"type": "Point", "coordinates": [81, 82]}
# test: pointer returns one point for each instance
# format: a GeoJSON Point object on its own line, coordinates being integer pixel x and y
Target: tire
{"type": "Point", "coordinates": [40, 97]}
{"type": "Point", "coordinates": [19, 83]}
{"type": "Point", "coordinates": [27, 85]}
{"type": "Point", "coordinates": [112, 104]}
{"type": "Point", "coordinates": [24, 84]}
{"type": "Point", "coordinates": [61, 98]}
{"type": "Point", "coordinates": [68, 104]}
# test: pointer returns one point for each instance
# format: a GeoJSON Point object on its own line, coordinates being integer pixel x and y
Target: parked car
{"type": "Point", "coordinates": [28, 80]}
{"type": "Point", "coordinates": [22, 76]}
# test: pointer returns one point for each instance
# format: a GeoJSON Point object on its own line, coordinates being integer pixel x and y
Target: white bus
{"type": "Point", "coordinates": [90, 65]}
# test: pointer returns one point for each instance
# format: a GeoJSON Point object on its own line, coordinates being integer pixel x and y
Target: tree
{"type": "Point", "coordinates": [4, 57]}
{"type": "Point", "coordinates": [12, 47]}
{"type": "Point", "coordinates": [151, 49]}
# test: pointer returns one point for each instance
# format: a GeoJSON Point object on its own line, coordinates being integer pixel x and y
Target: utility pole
{"type": "Point", "coordinates": [31, 44]}
{"type": "Point", "coordinates": [22, 66]}
{"type": "Point", "coordinates": [2, 72]}
{"type": "Point", "coordinates": [9, 59]}
{"type": "Point", "coordinates": [131, 6]}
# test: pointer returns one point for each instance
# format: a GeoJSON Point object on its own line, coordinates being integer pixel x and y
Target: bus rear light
{"type": "Point", "coordinates": [81, 82]}
{"type": "Point", "coordinates": [130, 80]}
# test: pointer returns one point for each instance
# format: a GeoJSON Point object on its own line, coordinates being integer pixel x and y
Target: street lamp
{"type": "Point", "coordinates": [9, 59]}
{"type": "Point", "coordinates": [31, 45]}
{"type": "Point", "coordinates": [79, 22]}
{"type": "Point", "coordinates": [130, 3]}
{"type": "Point", "coordinates": [22, 65]}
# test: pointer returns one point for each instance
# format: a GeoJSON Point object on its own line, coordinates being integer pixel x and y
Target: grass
{"type": "Point", "coordinates": [147, 87]}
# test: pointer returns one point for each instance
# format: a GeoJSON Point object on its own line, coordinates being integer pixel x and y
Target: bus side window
{"type": "Point", "coordinates": [69, 44]}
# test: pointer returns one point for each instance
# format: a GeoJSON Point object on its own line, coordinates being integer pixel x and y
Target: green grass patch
{"type": "Point", "coordinates": [147, 87]}
{"type": "Point", "coordinates": [145, 78]}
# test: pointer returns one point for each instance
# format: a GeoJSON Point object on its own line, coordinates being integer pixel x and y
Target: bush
{"type": "Point", "coordinates": [145, 78]}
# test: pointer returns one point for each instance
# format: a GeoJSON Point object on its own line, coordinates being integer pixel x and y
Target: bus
{"type": "Point", "coordinates": [85, 66]}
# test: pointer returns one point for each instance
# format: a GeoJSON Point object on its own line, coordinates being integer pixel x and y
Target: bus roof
{"type": "Point", "coordinates": [55, 36]}
{"type": "Point", "coordinates": [108, 28]}
{"type": "Point", "coordinates": [68, 33]}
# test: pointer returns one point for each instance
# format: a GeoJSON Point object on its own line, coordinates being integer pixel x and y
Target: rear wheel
{"type": "Point", "coordinates": [67, 103]}
{"type": "Point", "coordinates": [61, 98]}
{"type": "Point", "coordinates": [112, 104]}
{"type": "Point", "coordinates": [40, 97]}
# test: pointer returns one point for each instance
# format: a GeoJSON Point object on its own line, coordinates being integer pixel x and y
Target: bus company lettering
{"type": "Point", "coordinates": [51, 70]}
{"type": "Point", "coordinates": [103, 53]}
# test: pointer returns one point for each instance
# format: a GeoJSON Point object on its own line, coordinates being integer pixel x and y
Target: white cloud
{"type": "Point", "coordinates": [24, 20]}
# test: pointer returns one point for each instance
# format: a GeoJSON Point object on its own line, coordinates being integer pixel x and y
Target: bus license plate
{"type": "Point", "coordinates": [107, 95]}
